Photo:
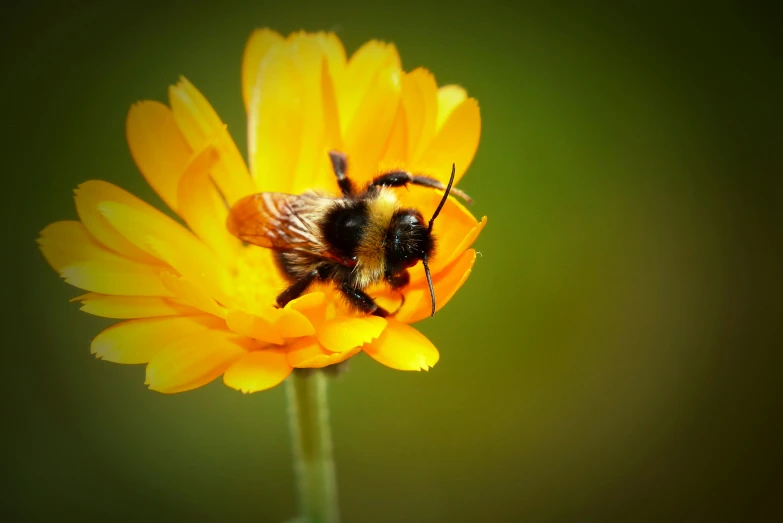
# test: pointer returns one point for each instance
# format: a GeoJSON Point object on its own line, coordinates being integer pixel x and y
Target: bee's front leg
{"type": "Point", "coordinates": [399, 280]}
{"type": "Point", "coordinates": [361, 300]}
{"type": "Point", "coordinates": [297, 288]}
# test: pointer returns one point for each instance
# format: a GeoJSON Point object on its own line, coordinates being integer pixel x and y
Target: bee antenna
{"type": "Point", "coordinates": [435, 215]}
{"type": "Point", "coordinates": [429, 230]}
{"type": "Point", "coordinates": [429, 282]}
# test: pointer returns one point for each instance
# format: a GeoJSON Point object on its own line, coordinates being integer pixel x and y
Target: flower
{"type": "Point", "coordinates": [197, 303]}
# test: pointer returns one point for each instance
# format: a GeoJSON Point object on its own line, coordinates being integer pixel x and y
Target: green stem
{"type": "Point", "coordinates": [312, 442]}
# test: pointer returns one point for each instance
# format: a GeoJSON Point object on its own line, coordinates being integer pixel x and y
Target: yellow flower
{"type": "Point", "coordinates": [198, 303]}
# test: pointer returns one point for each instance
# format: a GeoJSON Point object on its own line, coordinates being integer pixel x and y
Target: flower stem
{"type": "Point", "coordinates": [312, 442]}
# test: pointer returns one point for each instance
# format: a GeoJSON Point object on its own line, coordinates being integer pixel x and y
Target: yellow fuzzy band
{"type": "Point", "coordinates": [371, 256]}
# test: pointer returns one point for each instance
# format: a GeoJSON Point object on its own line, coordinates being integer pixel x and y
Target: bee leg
{"type": "Point", "coordinates": [340, 168]}
{"type": "Point", "coordinates": [402, 178]}
{"type": "Point", "coordinates": [399, 307]}
{"type": "Point", "coordinates": [362, 301]}
{"type": "Point", "coordinates": [296, 289]}
{"type": "Point", "coordinates": [397, 282]}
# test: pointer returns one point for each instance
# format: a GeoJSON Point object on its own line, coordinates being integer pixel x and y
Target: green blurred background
{"type": "Point", "coordinates": [613, 357]}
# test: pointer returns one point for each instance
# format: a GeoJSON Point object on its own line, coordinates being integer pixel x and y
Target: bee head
{"type": "Point", "coordinates": [409, 240]}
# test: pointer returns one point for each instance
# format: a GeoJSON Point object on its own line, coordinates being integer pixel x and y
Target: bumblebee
{"type": "Point", "coordinates": [361, 238]}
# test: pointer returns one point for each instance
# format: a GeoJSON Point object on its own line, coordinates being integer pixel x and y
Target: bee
{"type": "Point", "coordinates": [361, 238]}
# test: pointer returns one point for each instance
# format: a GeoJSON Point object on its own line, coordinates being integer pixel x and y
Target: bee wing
{"type": "Point", "coordinates": [279, 221]}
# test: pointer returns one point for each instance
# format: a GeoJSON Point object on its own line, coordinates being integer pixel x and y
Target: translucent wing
{"type": "Point", "coordinates": [283, 222]}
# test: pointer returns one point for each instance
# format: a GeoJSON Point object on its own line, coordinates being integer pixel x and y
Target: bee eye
{"type": "Point", "coordinates": [410, 262]}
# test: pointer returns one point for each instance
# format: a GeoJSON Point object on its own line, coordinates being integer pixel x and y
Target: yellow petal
{"type": "Point", "coordinates": [318, 58]}
{"type": "Point", "coordinates": [253, 326]}
{"type": "Point", "coordinates": [301, 74]}
{"type": "Point", "coordinates": [369, 130]}
{"type": "Point", "coordinates": [360, 75]}
{"type": "Point", "coordinates": [194, 361]}
{"type": "Point", "coordinates": [67, 242]}
{"type": "Point", "coordinates": [395, 156]}
{"type": "Point", "coordinates": [332, 66]}
{"type": "Point", "coordinates": [418, 304]}
{"type": "Point", "coordinates": [310, 302]}
{"type": "Point", "coordinates": [402, 347]}
{"type": "Point", "coordinates": [299, 316]}
{"type": "Point", "coordinates": [456, 142]}
{"type": "Point", "coordinates": [347, 332]}
{"type": "Point", "coordinates": [287, 135]}
{"type": "Point", "coordinates": [72, 252]}
{"type": "Point", "coordinates": [292, 324]}
{"type": "Point", "coordinates": [312, 305]}
{"type": "Point", "coordinates": [156, 233]}
{"type": "Point", "coordinates": [203, 209]}
{"type": "Point", "coordinates": [449, 97]}
{"type": "Point", "coordinates": [87, 296]}
{"type": "Point", "coordinates": [468, 240]}
{"type": "Point", "coordinates": [196, 118]}
{"type": "Point", "coordinates": [188, 293]}
{"type": "Point", "coordinates": [420, 100]}
{"type": "Point", "coordinates": [332, 130]}
{"type": "Point", "coordinates": [88, 196]}
{"type": "Point", "coordinates": [256, 48]}
{"type": "Point", "coordinates": [127, 307]}
{"type": "Point", "coordinates": [331, 47]}
{"type": "Point", "coordinates": [322, 176]}
{"type": "Point", "coordinates": [121, 278]}
{"type": "Point", "coordinates": [204, 279]}
{"type": "Point", "coordinates": [138, 220]}
{"type": "Point", "coordinates": [158, 148]}
{"type": "Point", "coordinates": [137, 341]}
{"type": "Point", "coordinates": [450, 251]}
{"type": "Point", "coordinates": [312, 156]}
{"type": "Point", "coordinates": [201, 125]}
{"type": "Point", "coordinates": [275, 122]}
{"type": "Point", "coordinates": [307, 353]}
{"type": "Point", "coordinates": [258, 370]}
